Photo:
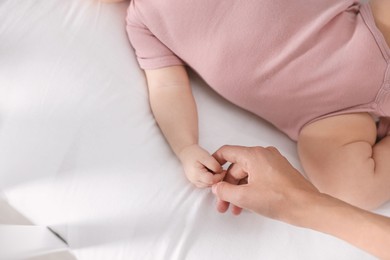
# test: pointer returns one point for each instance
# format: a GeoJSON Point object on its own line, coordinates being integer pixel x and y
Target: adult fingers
{"type": "Point", "coordinates": [233, 176]}
{"type": "Point", "coordinates": [231, 153]}
{"type": "Point", "coordinates": [236, 210]}
{"type": "Point", "coordinates": [222, 206]}
{"type": "Point", "coordinates": [235, 173]}
{"type": "Point", "coordinates": [234, 194]}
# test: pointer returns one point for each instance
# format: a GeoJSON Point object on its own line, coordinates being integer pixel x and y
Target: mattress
{"type": "Point", "coordinates": [80, 151]}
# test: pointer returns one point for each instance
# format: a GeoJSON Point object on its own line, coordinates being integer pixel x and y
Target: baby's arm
{"type": "Point", "coordinates": [174, 108]}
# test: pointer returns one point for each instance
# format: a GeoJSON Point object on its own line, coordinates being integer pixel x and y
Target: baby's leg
{"type": "Point", "coordinates": [381, 13]}
{"type": "Point", "coordinates": [340, 157]}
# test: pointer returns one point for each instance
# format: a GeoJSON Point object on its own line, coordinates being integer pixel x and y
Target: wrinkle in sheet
{"type": "Point", "coordinates": [188, 231]}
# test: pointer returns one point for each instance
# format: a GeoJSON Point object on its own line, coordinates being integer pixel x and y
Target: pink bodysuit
{"type": "Point", "coordinates": [290, 62]}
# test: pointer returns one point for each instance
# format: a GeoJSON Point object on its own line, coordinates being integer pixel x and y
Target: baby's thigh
{"type": "Point", "coordinates": [381, 12]}
{"type": "Point", "coordinates": [330, 148]}
{"type": "Point", "coordinates": [341, 158]}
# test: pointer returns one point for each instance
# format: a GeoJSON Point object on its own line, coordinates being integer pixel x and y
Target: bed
{"type": "Point", "coordinates": [80, 151]}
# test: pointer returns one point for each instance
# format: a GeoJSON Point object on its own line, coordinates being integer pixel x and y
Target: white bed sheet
{"type": "Point", "coordinates": [81, 152]}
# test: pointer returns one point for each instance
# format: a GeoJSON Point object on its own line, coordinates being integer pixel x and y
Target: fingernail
{"type": "Point", "coordinates": [214, 188]}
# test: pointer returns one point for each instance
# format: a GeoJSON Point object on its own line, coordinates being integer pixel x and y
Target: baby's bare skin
{"type": "Point", "coordinates": [381, 12]}
{"type": "Point", "coordinates": [340, 154]}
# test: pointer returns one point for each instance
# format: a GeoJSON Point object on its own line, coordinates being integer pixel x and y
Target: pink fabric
{"type": "Point", "coordinates": [289, 62]}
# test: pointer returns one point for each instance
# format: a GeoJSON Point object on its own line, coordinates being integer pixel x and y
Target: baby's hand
{"type": "Point", "coordinates": [200, 167]}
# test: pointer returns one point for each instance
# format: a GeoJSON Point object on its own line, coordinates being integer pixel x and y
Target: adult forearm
{"type": "Point", "coordinates": [365, 230]}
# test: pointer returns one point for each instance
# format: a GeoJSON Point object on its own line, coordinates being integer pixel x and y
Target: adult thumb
{"type": "Point", "coordinates": [234, 194]}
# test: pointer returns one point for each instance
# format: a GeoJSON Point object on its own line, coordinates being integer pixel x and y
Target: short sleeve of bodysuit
{"type": "Point", "coordinates": [151, 53]}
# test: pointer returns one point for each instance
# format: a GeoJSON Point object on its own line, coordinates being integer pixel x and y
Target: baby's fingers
{"type": "Point", "coordinates": [211, 164]}
{"type": "Point", "coordinates": [209, 178]}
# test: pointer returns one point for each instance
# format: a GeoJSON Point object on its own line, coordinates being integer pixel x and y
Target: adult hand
{"type": "Point", "coordinates": [276, 190]}
{"type": "Point", "coordinates": [273, 189]}
{"type": "Point", "coordinates": [200, 167]}
{"type": "Point", "coordinates": [237, 176]}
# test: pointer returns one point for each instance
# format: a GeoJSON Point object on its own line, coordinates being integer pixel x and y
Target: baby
{"type": "Point", "coordinates": [318, 70]}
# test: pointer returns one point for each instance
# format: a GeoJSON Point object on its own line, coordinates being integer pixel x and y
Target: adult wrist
{"type": "Point", "coordinates": [304, 208]}
{"type": "Point", "coordinates": [320, 211]}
